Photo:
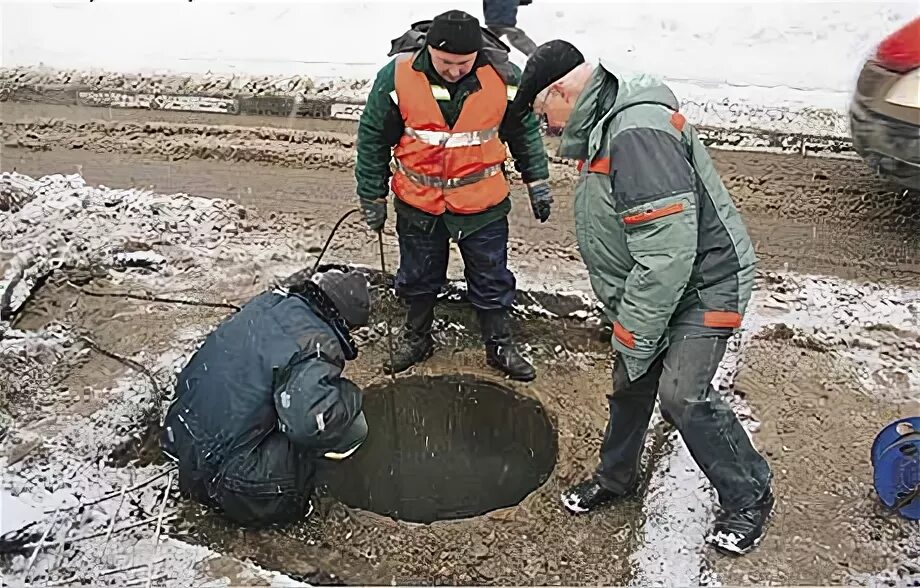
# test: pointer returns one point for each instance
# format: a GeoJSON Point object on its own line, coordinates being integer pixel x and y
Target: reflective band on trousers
{"type": "Point", "coordinates": [448, 139]}
{"type": "Point", "coordinates": [433, 182]}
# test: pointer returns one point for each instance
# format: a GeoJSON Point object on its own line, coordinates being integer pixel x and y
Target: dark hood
{"type": "Point", "coordinates": [349, 292]}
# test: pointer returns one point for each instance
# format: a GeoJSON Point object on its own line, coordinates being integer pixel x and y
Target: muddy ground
{"type": "Point", "coordinates": [828, 358]}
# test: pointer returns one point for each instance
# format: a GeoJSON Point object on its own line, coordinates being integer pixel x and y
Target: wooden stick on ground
{"type": "Point", "coordinates": [146, 521]}
{"type": "Point", "coordinates": [130, 568]}
{"type": "Point", "coordinates": [41, 542]}
{"type": "Point", "coordinates": [108, 535]}
{"type": "Point", "coordinates": [156, 536]}
{"type": "Point", "coordinates": [110, 495]}
{"type": "Point", "coordinates": [148, 581]}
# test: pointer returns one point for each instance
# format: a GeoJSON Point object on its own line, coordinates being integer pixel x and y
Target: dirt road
{"type": "Point", "coordinates": [814, 214]}
{"type": "Point", "coordinates": [828, 358]}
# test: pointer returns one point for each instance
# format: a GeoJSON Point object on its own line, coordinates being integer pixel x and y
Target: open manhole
{"type": "Point", "coordinates": [446, 448]}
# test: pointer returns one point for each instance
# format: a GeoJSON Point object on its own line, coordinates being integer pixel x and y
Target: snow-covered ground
{"type": "Point", "coordinates": [736, 63]}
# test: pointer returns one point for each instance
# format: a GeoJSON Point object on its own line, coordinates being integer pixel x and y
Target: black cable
{"type": "Point", "coordinates": [152, 298]}
{"type": "Point", "coordinates": [331, 235]}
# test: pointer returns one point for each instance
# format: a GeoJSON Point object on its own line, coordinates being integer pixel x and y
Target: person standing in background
{"type": "Point", "coordinates": [501, 19]}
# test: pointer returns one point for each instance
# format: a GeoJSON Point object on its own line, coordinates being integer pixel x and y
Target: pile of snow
{"type": "Point", "coordinates": [58, 464]}
{"type": "Point", "coordinates": [874, 328]}
{"type": "Point", "coordinates": [224, 85]}
{"type": "Point", "coordinates": [61, 221]}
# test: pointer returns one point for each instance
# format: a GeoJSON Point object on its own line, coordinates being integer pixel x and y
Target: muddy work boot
{"type": "Point", "coordinates": [416, 344]}
{"type": "Point", "coordinates": [740, 531]}
{"type": "Point", "coordinates": [589, 495]}
{"type": "Point", "coordinates": [501, 352]}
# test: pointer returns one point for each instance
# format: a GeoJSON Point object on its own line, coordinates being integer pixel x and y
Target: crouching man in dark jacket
{"type": "Point", "coordinates": [264, 398]}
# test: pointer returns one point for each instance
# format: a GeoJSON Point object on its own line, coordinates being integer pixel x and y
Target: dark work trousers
{"type": "Point", "coordinates": [269, 484]}
{"type": "Point", "coordinates": [501, 19]}
{"type": "Point", "coordinates": [500, 13]}
{"type": "Point", "coordinates": [681, 377]}
{"type": "Point", "coordinates": [424, 252]}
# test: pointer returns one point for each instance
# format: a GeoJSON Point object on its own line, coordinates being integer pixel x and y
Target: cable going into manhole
{"type": "Point", "coordinates": [335, 228]}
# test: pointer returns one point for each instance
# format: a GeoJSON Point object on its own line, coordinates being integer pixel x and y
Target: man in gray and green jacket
{"type": "Point", "coordinates": [442, 110]}
{"type": "Point", "coordinates": [672, 263]}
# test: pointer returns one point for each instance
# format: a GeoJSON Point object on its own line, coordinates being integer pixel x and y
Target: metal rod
{"type": "Point", "coordinates": [394, 424]}
{"type": "Point", "coordinates": [156, 536]}
{"type": "Point", "coordinates": [130, 568]}
{"type": "Point", "coordinates": [383, 268]}
{"type": "Point", "coordinates": [146, 521]}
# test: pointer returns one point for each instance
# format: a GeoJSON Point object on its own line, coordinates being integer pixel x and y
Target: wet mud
{"type": "Point", "coordinates": [445, 448]}
{"type": "Point", "coordinates": [825, 363]}
{"type": "Point", "coordinates": [817, 430]}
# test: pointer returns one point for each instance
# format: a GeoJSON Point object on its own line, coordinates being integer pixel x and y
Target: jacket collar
{"type": "Point", "coordinates": [605, 97]}
{"type": "Point", "coordinates": [322, 306]}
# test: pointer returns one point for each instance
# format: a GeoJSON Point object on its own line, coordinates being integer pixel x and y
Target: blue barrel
{"type": "Point", "coordinates": [896, 465]}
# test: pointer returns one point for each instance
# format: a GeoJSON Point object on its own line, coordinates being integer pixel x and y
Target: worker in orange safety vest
{"type": "Point", "coordinates": [440, 110]}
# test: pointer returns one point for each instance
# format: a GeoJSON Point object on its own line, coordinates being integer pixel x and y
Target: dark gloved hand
{"type": "Point", "coordinates": [540, 200]}
{"type": "Point", "coordinates": [375, 212]}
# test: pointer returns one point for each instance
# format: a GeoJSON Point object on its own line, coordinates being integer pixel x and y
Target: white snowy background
{"type": "Point", "coordinates": [794, 53]}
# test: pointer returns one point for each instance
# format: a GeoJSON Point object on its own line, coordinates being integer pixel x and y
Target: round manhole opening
{"type": "Point", "coordinates": [446, 447]}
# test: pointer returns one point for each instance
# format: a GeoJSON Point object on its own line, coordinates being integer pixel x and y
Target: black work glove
{"type": "Point", "coordinates": [375, 212]}
{"type": "Point", "coordinates": [540, 200]}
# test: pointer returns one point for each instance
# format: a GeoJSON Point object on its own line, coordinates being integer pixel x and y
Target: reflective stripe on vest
{"type": "Point", "coordinates": [441, 168]}
{"type": "Point", "coordinates": [448, 184]}
{"type": "Point", "coordinates": [441, 93]}
{"type": "Point", "coordinates": [447, 139]}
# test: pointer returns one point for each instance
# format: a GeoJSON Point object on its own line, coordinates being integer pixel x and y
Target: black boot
{"type": "Point", "coordinates": [589, 495]}
{"type": "Point", "coordinates": [739, 532]}
{"type": "Point", "coordinates": [501, 352]}
{"type": "Point", "coordinates": [415, 345]}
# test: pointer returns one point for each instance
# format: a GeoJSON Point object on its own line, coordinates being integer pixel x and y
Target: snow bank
{"type": "Point", "coordinates": [760, 57]}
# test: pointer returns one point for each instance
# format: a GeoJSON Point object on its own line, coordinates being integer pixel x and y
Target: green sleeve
{"type": "Point", "coordinates": [521, 132]}
{"type": "Point", "coordinates": [379, 131]}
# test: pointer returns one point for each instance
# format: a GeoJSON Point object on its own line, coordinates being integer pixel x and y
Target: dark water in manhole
{"type": "Point", "coordinates": [446, 448]}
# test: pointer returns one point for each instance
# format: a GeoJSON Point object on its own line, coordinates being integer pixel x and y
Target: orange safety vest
{"type": "Point", "coordinates": [440, 168]}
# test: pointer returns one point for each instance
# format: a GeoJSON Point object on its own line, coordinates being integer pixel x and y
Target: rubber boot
{"type": "Point", "coordinates": [415, 345]}
{"type": "Point", "coordinates": [501, 352]}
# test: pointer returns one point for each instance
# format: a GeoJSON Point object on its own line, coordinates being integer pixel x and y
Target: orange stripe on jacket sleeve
{"type": "Point", "coordinates": [678, 121]}
{"type": "Point", "coordinates": [624, 336]}
{"type": "Point", "coordinates": [600, 165]}
{"type": "Point", "coordinates": [654, 214]}
{"type": "Point", "coordinates": [721, 319]}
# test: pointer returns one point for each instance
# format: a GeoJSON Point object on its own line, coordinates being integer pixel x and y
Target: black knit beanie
{"type": "Point", "coordinates": [455, 32]}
